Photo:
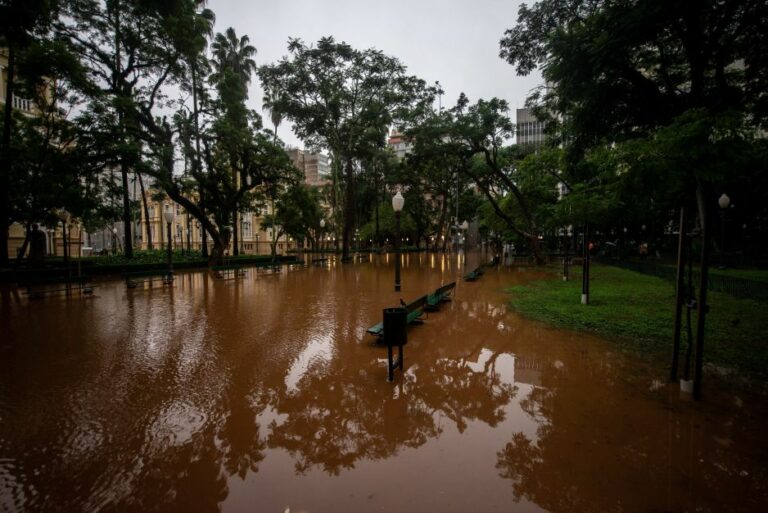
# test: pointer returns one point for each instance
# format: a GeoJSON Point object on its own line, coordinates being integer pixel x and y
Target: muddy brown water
{"type": "Point", "coordinates": [265, 394]}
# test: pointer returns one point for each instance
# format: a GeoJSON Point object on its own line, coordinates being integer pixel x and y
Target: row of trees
{"type": "Point", "coordinates": [645, 105]}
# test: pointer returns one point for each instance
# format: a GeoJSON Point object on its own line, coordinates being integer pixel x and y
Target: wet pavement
{"type": "Point", "coordinates": [265, 394]}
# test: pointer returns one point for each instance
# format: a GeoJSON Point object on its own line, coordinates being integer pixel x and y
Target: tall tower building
{"type": "Point", "coordinates": [530, 130]}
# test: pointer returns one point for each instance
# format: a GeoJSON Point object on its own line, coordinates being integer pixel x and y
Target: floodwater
{"type": "Point", "coordinates": [265, 394]}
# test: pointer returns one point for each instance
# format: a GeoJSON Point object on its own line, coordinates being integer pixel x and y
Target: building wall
{"type": "Point", "coordinates": [314, 166]}
{"type": "Point", "coordinates": [253, 240]}
{"type": "Point", "coordinates": [529, 129]}
{"type": "Point", "coordinates": [399, 145]}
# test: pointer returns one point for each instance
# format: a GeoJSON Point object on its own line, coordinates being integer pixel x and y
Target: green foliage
{"type": "Point", "coordinates": [297, 212]}
{"type": "Point", "coordinates": [343, 100]}
{"type": "Point", "coordinates": [387, 225]}
{"type": "Point", "coordinates": [635, 311]}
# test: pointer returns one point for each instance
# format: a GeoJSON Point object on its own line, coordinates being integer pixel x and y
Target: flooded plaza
{"type": "Point", "coordinates": [266, 394]}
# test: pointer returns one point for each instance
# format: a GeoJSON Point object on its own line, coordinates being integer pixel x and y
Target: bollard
{"type": "Point", "coordinates": [395, 323]}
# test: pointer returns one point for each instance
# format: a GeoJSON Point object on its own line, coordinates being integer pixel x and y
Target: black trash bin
{"type": "Point", "coordinates": [395, 321]}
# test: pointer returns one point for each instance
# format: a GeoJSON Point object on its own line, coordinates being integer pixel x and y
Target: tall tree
{"type": "Point", "coordinates": [475, 139]}
{"type": "Point", "coordinates": [23, 24]}
{"type": "Point", "coordinates": [344, 100]}
{"type": "Point", "coordinates": [233, 65]}
{"type": "Point", "coordinates": [682, 76]}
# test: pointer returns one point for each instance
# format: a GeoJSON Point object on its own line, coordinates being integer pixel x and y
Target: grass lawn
{"type": "Point", "coordinates": [637, 311]}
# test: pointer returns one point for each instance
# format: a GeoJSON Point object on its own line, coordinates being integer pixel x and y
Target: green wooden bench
{"type": "Point", "coordinates": [132, 279]}
{"type": "Point", "coordinates": [415, 310]}
{"type": "Point", "coordinates": [319, 261]}
{"type": "Point", "coordinates": [472, 276]}
{"type": "Point", "coordinates": [438, 296]}
{"type": "Point", "coordinates": [59, 283]}
{"type": "Point", "coordinates": [228, 272]}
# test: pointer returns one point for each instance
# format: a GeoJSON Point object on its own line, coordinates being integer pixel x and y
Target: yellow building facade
{"type": "Point", "coordinates": [54, 235]}
{"type": "Point", "coordinates": [186, 231]}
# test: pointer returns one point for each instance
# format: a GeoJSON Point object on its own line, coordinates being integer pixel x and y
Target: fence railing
{"type": "Point", "coordinates": [737, 287]}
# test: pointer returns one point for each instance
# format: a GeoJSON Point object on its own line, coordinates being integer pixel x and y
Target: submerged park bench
{"type": "Point", "coordinates": [319, 261]}
{"type": "Point", "coordinates": [58, 283]}
{"type": "Point", "coordinates": [228, 272]}
{"type": "Point", "coordinates": [132, 279]}
{"type": "Point", "coordinates": [472, 276]}
{"type": "Point", "coordinates": [439, 295]}
{"type": "Point", "coordinates": [414, 309]}
{"type": "Point", "coordinates": [270, 268]}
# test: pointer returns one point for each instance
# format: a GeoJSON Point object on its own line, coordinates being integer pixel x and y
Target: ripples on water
{"type": "Point", "coordinates": [265, 393]}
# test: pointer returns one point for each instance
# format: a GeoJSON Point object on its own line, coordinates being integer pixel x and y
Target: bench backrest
{"type": "Point", "coordinates": [416, 304]}
{"type": "Point", "coordinates": [445, 288]}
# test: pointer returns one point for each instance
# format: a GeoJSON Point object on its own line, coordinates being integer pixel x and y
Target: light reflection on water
{"type": "Point", "coordinates": [265, 392]}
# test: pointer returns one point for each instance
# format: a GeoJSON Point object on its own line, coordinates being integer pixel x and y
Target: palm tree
{"type": "Point", "coordinates": [233, 65]}
{"type": "Point", "coordinates": [270, 102]}
{"type": "Point", "coordinates": [203, 28]}
{"type": "Point", "coordinates": [231, 54]}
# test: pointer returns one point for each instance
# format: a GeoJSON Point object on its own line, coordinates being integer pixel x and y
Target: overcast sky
{"type": "Point", "coordinates": [455, 42]}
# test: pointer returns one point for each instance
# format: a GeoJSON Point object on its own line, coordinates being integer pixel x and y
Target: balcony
{"type": "Point", "coordinates": [22, 104]}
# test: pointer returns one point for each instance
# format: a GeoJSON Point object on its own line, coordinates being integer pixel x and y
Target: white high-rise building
{"type": "Point", "coordinates": [530, 130]}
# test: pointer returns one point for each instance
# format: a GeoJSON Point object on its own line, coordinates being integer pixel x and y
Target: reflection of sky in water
{"type": "Point", "coordinates": [317, 352]}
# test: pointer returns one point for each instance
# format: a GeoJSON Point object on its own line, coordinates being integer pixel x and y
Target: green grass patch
{"type": "Point", "coordinates": [637, 312]}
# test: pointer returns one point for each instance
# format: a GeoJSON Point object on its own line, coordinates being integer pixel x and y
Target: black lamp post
{"type": "Point", "coordinates": [566, 258]}
{"type": "Point", "coordinates": [64, 217]}
{"type": "Point", "coordinates": [585, 269]}
{"type": "Point", "coordinates": [397, 205]}
{"type": "Point", "coordinates": [322, 229]}
{"type": "Point", "coordinates": [169, 215]}
{"type": "Point", "coordinates": [724, 202]}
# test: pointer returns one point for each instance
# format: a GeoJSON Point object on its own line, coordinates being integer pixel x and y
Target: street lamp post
{"type": "Point", "coordinates": [64, 216]}
{"type": "Point", "coordinates": [624, 245]}
{"type": "Point", "coordinates": [565, 254]}
{"type": "Point", "coordinates": [585, 268]}
{"type": "Point", "coordinates": [320, 239]}
{"type": "Point", "coordinates": [169, 215]}
{"type": "Point", "coordinates": [397, 205]}
{"type": "Point", "coordinates": [723, 201]}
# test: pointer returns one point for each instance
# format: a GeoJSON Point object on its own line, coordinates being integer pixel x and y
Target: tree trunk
{"type": "Point", "coordinates": [220, 243]}
{"type": "Point", "coordinates": [195, 114]}
{"type": "Point", "coordinates": [235, 231]}
{"type": "Point", "coordinates": [121, 130]}
{"type": "Point", "coordinates": [5, 160]}
{"type": "Point", "coordinates": [27, 234]}
{"type": "Point", "coordinates": [533, 242]}
{"type": "Point", "coordinates": [146, 211]}
{"type": "Point", "coordinates": [349, 209]}
{"type": "Point", "coordinates": [128, 244]}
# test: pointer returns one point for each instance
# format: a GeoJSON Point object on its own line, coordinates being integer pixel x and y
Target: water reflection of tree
{"type": "Point", "coordinates": [600, 447]}
{"type": "Point", "coordinates": [335, 418]}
